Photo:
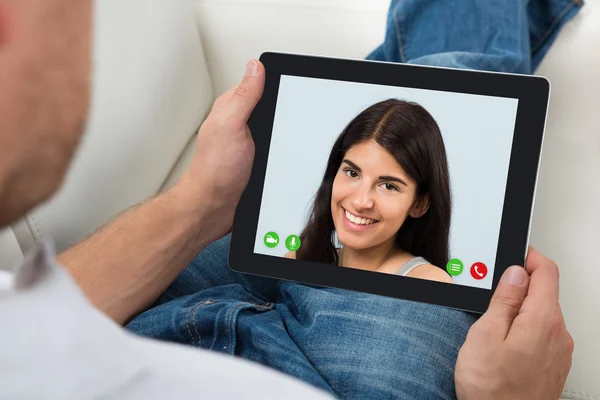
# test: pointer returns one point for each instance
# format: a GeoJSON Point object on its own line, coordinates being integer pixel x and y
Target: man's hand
{"type": "Point", "coordinates": [127, 264]}
{"type": "Point", "coordinates": [520, 348]}
{"type": "Point", "coordinates": [225, 150]}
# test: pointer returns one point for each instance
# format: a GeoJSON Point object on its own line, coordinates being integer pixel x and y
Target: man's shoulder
{"type": "Point", "coordinates": [55, 332]}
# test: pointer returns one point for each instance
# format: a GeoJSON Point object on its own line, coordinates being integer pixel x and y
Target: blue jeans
{"type": "Point", "coordinates": [350, 344]}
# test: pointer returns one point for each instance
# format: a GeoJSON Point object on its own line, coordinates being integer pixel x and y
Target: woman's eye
{"type": "Point", "coordinates": [389, 186]}
{"type": "Point", "coordinates": [351, 173]}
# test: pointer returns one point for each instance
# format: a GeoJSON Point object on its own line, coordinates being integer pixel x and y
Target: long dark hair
{"type": "Point", "coordinates": [411, 135]}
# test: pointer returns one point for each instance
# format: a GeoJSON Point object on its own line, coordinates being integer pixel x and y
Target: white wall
{"type": "Point", "coordinates": [477, 132]}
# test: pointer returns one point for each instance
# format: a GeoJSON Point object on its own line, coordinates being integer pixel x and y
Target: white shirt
{"type": "Point", "coordinates": [55, 345]}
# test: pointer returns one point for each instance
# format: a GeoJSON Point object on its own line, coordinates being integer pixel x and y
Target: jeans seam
{"type": "Point", "coordinates": [191, 315]}
{"type": "Point", "coordinates": [229, 344]}
{"type": "Point", "coordinates": [187, 324]}
{"type": "Point", "coordinates": [398, 34]}
{"type": "Point", "coordinates": [549, 31]}
{"type": "Point", "coordinates": [266, 306]}
{"type": "Point", "coordinates": [194, 319]}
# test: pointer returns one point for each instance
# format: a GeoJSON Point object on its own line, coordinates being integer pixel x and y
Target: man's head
{"type": "Point", "coordinates": [45, 48]}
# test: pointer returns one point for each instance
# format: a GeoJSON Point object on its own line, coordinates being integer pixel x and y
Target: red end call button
{"type": "Point", "coordinates": [478, 270]}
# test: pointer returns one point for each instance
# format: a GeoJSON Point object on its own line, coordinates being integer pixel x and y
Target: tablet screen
{"type": "Point", "coordinates": [408, 176]}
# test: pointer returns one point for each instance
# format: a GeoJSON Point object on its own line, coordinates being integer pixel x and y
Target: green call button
{"type": "Point", "coordinates": [271, 240]}
{"type": "Point", "coordinates": [454, 267]}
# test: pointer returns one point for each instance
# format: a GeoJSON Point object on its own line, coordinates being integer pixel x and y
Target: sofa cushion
{"type": "Point", "coordinates": [566, 215]}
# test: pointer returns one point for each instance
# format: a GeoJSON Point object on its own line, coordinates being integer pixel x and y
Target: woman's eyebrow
{"type": "Point", "coordinates": [351, 164]}
{"type": "Point", "coordinates": [381, 178]}
{"type": "Point", "coordinates": [393, 179]}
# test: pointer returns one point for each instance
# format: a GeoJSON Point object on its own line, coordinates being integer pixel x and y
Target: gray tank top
{"type": "Point", "coordinates": [410, 265]}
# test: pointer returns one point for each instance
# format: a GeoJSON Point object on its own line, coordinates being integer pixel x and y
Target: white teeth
{"type": "Point", "coordinates": [357, 220]}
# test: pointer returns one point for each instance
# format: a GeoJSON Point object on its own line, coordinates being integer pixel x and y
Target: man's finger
{"type": "Point", "coordinates": [506, 301]}
{"type": "Point", "coordinates": [538, 318]}
{"type": "Point", "coordinates": [535, 259]}
{"type": "Point", "coordinates": [239, 101]}
{"type": "Point", "coordinates": [543, 288]}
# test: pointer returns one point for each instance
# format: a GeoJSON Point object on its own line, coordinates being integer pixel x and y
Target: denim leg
{"type": "Point", "coordinates": [230, 319]}
{"type": "Point", "coordinates": [546, 18]}
{"type": "Point", "coordinates": [210, 269]}
{"type": "Point", "coordinates": [504, 36]}
{"type": "Point", "coordinates": [366, 346]}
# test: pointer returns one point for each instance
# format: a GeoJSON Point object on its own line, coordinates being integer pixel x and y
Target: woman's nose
{"type": "Point", "coordinates": [362, 199]}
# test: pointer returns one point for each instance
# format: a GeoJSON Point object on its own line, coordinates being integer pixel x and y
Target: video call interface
{"type": "Point", "coordinates": [393, 180]}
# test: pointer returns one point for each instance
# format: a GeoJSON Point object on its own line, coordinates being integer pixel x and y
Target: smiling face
{"type": "Point", "coordinates": [371, 197]}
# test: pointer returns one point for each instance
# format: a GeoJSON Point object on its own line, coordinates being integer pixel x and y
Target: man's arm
{"type": "Point", "coordinates": [125, 266]}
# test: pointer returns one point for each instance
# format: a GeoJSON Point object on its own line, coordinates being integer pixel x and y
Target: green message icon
{"type": "Point", "coordinates": [292, 243]}
{"type": "Point", "coordinates": [454, 267]}
{"type": "Point", "coordinates": [271, 239]}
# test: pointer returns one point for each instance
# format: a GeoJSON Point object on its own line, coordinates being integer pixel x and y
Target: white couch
{"type": "Point", "coordinates": [155, 80]}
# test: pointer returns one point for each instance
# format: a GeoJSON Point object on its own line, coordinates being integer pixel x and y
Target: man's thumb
{"type": "Point", "coordinates": [248, 92]}
{"type": "Point", "coordinates": [508, 299]}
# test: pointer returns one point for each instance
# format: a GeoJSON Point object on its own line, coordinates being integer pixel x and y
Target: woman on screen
{"type": "Point", "coordinates": [385, 194]}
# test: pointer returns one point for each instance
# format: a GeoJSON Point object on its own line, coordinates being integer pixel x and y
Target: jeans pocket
{"type": "Point", "coordinates": [206, 319]}
{"type": "Point", "coordinates": [212, 324]}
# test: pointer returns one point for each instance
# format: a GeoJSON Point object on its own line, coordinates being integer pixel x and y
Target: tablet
{"type": "Point", "coordinates": [398, 180]}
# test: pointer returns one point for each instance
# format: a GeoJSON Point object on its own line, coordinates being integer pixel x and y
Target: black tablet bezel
{"type": "Point", "coordinates": [531, 91]}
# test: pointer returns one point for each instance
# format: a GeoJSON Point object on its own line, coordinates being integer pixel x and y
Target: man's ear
{"type": "Point", "coordinates": [420, 207]}
{"type": "Point", "coordinates": [6, 24]}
